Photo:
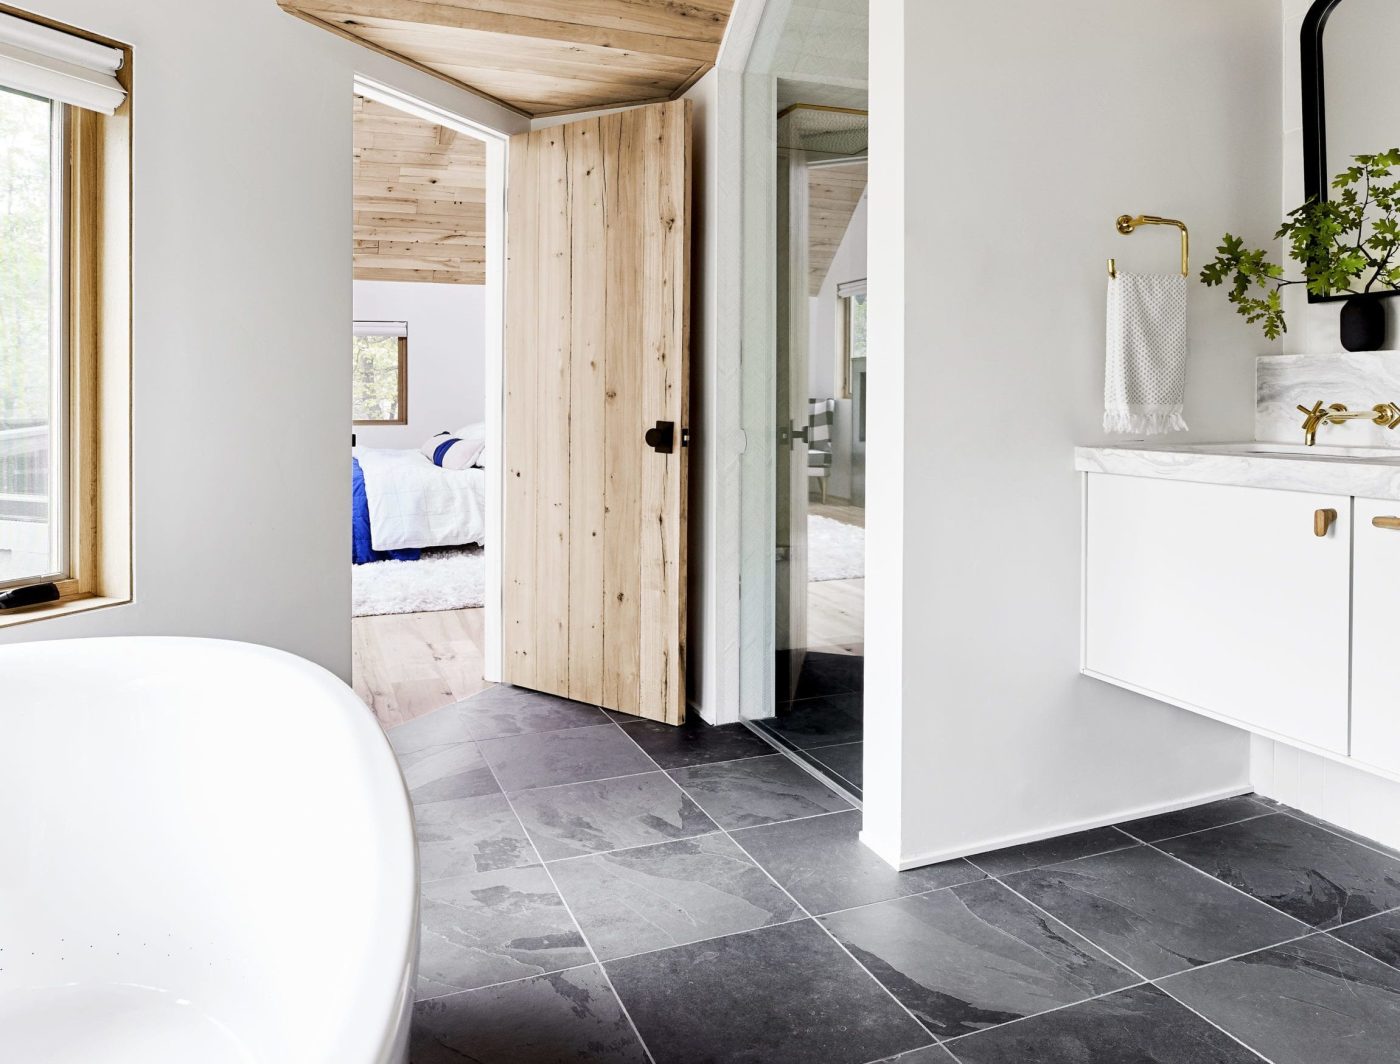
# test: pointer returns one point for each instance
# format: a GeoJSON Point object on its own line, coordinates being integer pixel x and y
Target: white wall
{"type": "Point", "coordinates": [446, 356]}
{"type": "Point", "coordinates": [999, 161]}
{"type": "Point", "coordinates": [1339, 793]}
{"type": "Point", "coordinates": [242, 292]}
{"type": "Point", "coordinates": [847, 265]}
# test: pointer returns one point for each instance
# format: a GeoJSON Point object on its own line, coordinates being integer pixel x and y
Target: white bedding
{"type": "Point", "coordinates": [413, 503]}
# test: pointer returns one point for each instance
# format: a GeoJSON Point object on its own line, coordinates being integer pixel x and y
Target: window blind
{"type": "Point", "coordinates": [47, 62]}
{"type": "Point", "coordinates": [381, 328]}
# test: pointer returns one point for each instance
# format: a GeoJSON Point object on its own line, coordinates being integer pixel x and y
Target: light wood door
{"type": "Point", "coordinates": [596, 354]}
{"type": "Point", "coordinates": [1375, 680]}
{"type": "Point", "coordinates": [1222, 599]}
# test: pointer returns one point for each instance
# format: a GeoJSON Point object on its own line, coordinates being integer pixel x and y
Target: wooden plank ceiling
{"type": "Point", "coordinates": [833, 194]}
{"type": "Point", "coordinates": [420, 199]}
{"type": "Point", "coordinates": [540, 57]}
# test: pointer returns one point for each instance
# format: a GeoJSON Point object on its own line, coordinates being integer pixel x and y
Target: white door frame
{"type": "Point", "coordinates": [435, 101]}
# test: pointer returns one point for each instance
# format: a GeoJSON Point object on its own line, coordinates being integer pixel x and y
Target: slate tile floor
{"type": "Point", "coordinates": [602, 891]}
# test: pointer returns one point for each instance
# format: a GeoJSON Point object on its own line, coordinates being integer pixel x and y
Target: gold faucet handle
{"type": "Point", "coordinates": [1387, 415]}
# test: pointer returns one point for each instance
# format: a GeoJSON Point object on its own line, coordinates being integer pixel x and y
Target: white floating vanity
{"type": "Point", "coordinates": [1255, 583]}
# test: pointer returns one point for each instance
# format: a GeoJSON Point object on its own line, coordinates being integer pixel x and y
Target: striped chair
{"type": "Point", "coordinates": [821, 416]}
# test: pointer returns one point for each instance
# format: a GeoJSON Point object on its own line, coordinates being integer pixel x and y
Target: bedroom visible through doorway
{"type": "Point", "coordinates": [419, 351]}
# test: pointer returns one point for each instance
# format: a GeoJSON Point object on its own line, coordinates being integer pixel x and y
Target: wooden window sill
{"type": "Point", "coordinates": [64, 607]}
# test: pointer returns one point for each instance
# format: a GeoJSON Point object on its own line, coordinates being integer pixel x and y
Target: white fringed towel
{"type": "Point", "coordinates": [1144, 384]}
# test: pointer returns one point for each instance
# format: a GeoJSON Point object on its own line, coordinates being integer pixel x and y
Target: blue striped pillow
{"type": "Point", "coordinates": [451, 452]}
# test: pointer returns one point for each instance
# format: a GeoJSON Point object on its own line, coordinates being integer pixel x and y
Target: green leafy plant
{"type": "Point", "coordinates": [1351, 238]}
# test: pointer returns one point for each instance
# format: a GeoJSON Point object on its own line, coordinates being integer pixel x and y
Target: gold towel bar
{"type": "Point", "coordinates": [1127, 223]}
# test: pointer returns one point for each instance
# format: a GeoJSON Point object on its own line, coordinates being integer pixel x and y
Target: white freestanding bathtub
{"type": "Point", "coordinates": [206, 857]}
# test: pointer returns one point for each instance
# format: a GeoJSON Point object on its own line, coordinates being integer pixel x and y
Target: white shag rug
{"type": "Point", "coordinates": [449, 579]}
{"type": "Point", "coordinates": [835, 550]}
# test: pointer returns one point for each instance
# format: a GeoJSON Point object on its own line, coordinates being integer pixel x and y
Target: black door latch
{"type": "Point", "coordinates": [662, 438]}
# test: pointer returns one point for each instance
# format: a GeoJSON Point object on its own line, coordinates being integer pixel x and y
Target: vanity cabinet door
{"type": "Point", "coordinates": [1375, 682]}
{"type": "Point", "coordinates": [1222, 599]}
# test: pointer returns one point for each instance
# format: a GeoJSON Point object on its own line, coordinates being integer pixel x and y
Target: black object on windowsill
{"type": "Point", "coordinates": [34, 595]}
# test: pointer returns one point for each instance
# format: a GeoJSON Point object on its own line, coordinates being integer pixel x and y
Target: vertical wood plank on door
{"type": "Point", "coordinates": [554, 264]}
{"type": "Point", "coordinates": [519, 375]}
{"type": "Point", "coordinates": [587, 443]}
{"type": "Point", "coordinates": [624, 420]}
{"type": "Point", "coordinates": [664, 256]}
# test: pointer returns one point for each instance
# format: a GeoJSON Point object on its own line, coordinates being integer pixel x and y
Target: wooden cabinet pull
{"type": "Point", "coordinates": [1323, 520]}
{"type": "Point", "coordinates": [1387, 522]}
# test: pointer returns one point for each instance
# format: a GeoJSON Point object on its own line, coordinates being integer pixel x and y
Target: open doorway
{"type": "Point", "coordinates": [424, 349]}
{"type": "Point", "coordinates": [821, 375]}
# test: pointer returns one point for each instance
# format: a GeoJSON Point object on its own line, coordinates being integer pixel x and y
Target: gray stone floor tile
{"type": "Point", "coordinates": [439, 773]}
{"type": "Point", "coordinates": [1140, 1025]}
{"type": "Point", "coordinates": [757, 790]}
{"type": "Point", "coordinates": [1196, 818]}
{"type": "Point", "coordinates": [1316, 1001]}
{"type": "Point", "coordinates": [779, 995]}
{"type": "Point", "coordinates": [570, 1017]}
{"type": "Point", "coordinates": [548, 759]}
{"type": "Point", "coordinates": [695, 742]}
{"type": "Point", "coordinates": [584, 818]}
{"type": "Point", "coordinates": [492, 927]}
{"type": "Point", "coordinates": [1303, 870]}
{"type": "Point", "coordinates": [971, 957]}
{"type": "Point", "coordinates": [669, 894]}
{"type": "Point", "coordinates": [1051, 851]}
{"type": "Point", "coordinates": [822, 863]}
{"type": "Point", "coordinates": [503, 710]}
{"type": "Point", "coordinates": [1156, 915]}
{"type": "Point", "coordinates": [464, 835]}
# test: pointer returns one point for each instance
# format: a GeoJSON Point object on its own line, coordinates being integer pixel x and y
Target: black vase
{"type": "Point", "coordinates": [1363, 323]}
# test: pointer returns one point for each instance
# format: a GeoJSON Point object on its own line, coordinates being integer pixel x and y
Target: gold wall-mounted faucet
{"type": "Point", "coordinates": [1386, 415]}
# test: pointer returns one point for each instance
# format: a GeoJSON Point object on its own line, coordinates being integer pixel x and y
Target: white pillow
{"type": "Point", "coordinates": [475, 433]}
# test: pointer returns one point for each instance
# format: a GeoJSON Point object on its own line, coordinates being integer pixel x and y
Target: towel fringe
{"type": "Point", "coordinates": [1139, 424]}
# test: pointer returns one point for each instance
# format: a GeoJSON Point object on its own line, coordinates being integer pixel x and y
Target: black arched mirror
{"type": "Point", "coordinates": [1349, 103]}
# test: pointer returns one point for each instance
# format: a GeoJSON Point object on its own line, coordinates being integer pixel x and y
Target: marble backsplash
{"type": "Point", "coordinates": [1360, 380]}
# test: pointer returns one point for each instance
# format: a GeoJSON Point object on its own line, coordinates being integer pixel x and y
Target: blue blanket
{"type": "Point", "coordinates": [362, 546]}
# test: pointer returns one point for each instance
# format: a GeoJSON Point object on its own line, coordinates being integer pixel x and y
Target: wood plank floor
{"type": "Point", "coordinates": [408, 664]}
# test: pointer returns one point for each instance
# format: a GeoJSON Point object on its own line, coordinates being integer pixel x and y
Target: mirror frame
{"type": "Point", "coordinates": [1317, 182]}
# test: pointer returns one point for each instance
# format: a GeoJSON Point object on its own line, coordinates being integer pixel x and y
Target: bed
{"type": "Point", "coordinates": [403, 503]}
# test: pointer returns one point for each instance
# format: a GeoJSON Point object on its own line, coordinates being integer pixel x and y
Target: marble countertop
{"type": "Point", "coordinates": [1366, 472]}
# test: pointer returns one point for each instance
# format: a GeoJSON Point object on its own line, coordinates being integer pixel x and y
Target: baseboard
{"type": "Point", "coordinates": [988, 845]}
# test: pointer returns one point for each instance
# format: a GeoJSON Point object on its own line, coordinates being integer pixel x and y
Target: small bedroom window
{"type": "Point", "coordinates": [850, 344]}
{"type": "Point", "coordinates": [65, 320]}
{"type": "Point", "coordinates": [381, 373]}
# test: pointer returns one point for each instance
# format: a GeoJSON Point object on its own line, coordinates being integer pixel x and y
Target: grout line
{"type": "Point", "coordinates": [1212, 1023]}
{"type": "Point", "coordinates": [1128, 843]}
{"type": "Point", "coordinates": [506, 982]}
{"type": "Point", "coordinates": [1112, 956]}
{"type": "Point", "coordinates": [705, 941]}
{"type": "Point", "coordinates": [583, 935]}
{"type": "Point", "coordinates": [638, 846]}
{"type": "Point", "coordinates": [1237, 890]}
{"type": "Point", "coordinates": [947, 1043]}
{"type": "Point", "coordinates": [1197, 831]}
{"type": "Point", "coordinates": [1368, 845]}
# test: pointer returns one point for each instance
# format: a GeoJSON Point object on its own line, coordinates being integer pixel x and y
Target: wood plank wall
{"type": "Point", "coordinates": [420, 199]}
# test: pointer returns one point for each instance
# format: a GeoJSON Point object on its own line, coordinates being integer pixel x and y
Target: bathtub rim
{"type": "Point", "coordinates": [387, 786]}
